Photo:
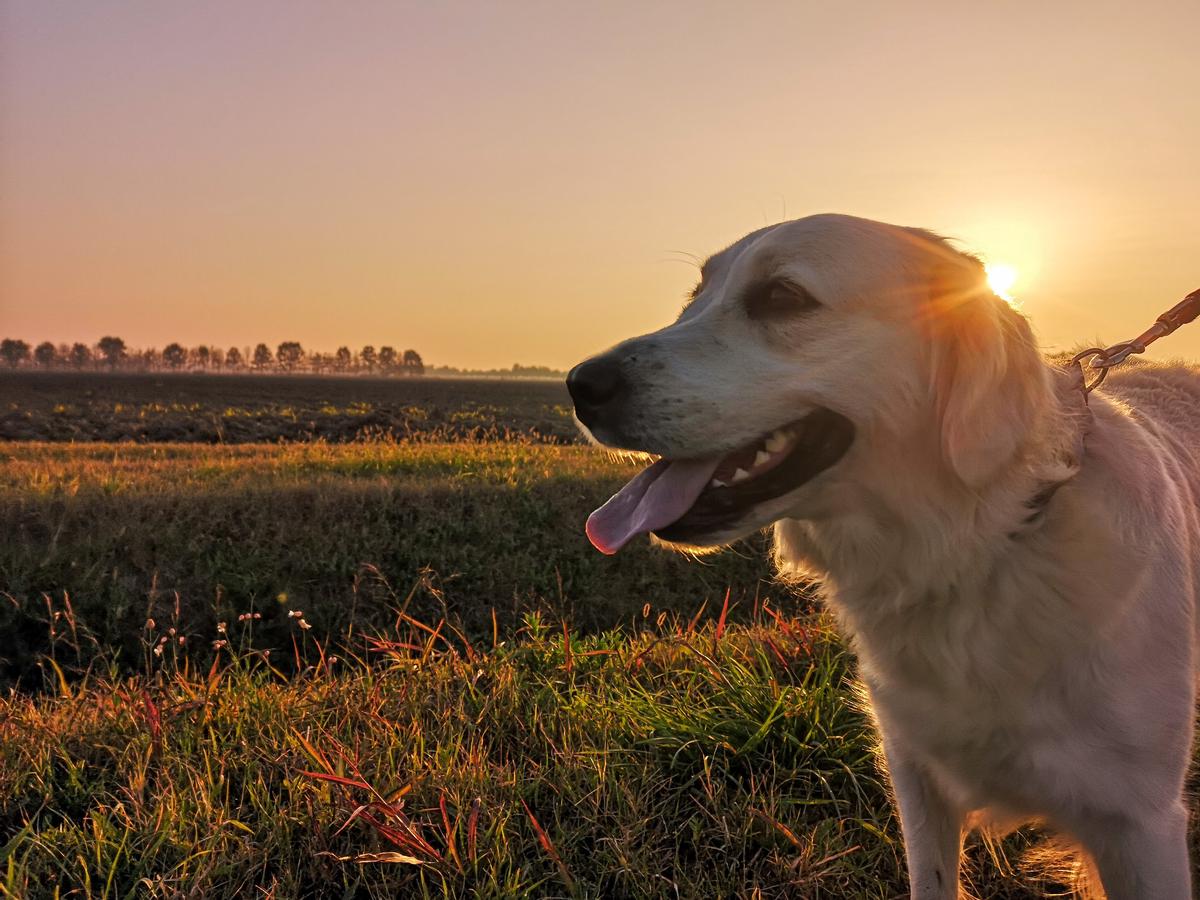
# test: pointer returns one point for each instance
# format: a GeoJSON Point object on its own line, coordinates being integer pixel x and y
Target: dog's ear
{"type": "Point", "coordinates": [989, 379]}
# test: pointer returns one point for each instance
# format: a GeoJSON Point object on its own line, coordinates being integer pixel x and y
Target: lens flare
{"type": "Point", "coordinates": [1001, 278]}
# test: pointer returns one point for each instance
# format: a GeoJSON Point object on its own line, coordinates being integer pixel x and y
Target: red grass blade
{"type": "Point", "coordinates": [548, 846]}
{"type": "Point", "coordinates": [336, 779]}
{"type": "Point", "coordinates": [450, 845]}
{"type": "Point", "coordinates": [720, 632]}
{"type": "Point", "coordinates": [472, 828]}
{"type": "Point", "coordinates": [153, 720]}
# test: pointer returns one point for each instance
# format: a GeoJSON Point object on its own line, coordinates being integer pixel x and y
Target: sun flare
{"type": "Point", "coordinates": [1001, 278]}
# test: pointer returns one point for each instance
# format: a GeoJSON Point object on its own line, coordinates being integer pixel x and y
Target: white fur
{"type": "Point", "coordinates": [1017, 669]}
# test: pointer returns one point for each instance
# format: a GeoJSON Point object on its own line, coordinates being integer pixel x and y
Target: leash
{"type": "Point", "coordinates": [1103, 359]}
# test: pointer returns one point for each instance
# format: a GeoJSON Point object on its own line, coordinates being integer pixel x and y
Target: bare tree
{"type": "Point", "coordinates": [81, 355]}
{"type": "Point", "coordinates": [341, 360]}
{"type": "Point", "coordinates": [233, 358]}
{"type": "Point", "coordinates": [367, 355]}
{"type": "Point", "coordinates": [14, 352]}
{"type": "Point", "coordinates": [201, 356]}
{"type": "Point", "coordinates": [45, 355]}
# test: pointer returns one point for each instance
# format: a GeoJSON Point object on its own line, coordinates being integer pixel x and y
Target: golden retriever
{"type": "Point", "coordinates": [1016, 567]}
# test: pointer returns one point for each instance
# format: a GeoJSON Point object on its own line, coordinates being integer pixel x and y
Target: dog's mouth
{"type": "Point", "coordinates": [684, 501]}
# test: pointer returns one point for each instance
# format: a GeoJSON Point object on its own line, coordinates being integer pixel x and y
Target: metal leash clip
{"type": "Point", "coordinates": [1183, 312]}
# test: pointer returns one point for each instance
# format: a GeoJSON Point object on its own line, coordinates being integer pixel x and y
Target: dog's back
{"type": "Point", "coordinates": [1165, 397]}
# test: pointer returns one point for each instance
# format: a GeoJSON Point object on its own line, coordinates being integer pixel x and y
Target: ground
{"type": "Point", "coordinates": [393, 666]}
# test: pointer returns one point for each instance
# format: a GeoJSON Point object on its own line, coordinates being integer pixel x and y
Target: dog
{"type": "Point", "coordinates": [1015, 563]}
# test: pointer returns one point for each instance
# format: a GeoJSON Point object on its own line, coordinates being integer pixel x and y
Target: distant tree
{"type": "Point", "coordinates": [174, 355]}
{"type": "Point", "coordinates": [233, 358]}
{"type": "Point", "coordinates": [45, 355]}
{"type": "Point", "coordinates": [289, 355]}
{"type": "Point", "coordinates": [413, 364]}
{"type": "Point", "coordinates": [341, 361]}
{"type": "Point", "coordinates": [217, 358]}
{"type": "Point", "coordinates": [367, 355]}
{"type": "Point", "coordinates": [14, 352]}
{"type": "Point", "coordinates": [149, 360]}
{"type": "Point", "coordinates": [201, 356]}
{"type": "Point", "coordinates": [262, 357]}
{"type": "Point", "coordinates": [387, 359]}
{"type": "Point", "coordinates": [81, 355]}
{"type": "Point", "coordinates": [112, 349]}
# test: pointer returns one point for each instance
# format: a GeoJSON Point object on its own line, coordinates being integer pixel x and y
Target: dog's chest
{"type": "Point", "coordinates": [968, 712]}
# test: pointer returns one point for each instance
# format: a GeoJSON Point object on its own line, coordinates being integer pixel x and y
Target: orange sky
{"type": "Point", "coordinates": [500, 182]}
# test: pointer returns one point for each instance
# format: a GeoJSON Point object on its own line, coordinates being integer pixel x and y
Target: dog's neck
{"type": "Point", "coordinates": [922, 541]}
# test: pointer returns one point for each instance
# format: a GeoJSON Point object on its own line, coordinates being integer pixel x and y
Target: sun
{"type": "Point", "coordinates": [1001, 278]}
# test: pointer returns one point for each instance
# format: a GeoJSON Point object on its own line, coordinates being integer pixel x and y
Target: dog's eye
{"type": "Point", "coordinates": [777, 300]}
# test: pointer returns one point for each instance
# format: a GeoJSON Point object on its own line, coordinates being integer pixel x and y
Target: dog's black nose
{"type": "Point", "coordinates": [594, 384]}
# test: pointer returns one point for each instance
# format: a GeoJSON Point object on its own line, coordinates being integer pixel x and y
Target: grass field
{"type": "Point", "coordinates": [671, 761]}
{"type": "Point", "coordinates": [233, 409]}
{"type": "Point", "coordinates": [393, 668]}
{"type": "Point", "coordinates": [477, 533]}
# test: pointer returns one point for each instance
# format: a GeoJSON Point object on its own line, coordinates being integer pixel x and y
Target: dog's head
{"type": "Point", "coordinates": [809, 352]}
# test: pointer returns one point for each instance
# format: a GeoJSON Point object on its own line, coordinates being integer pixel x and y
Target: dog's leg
{"type": "Point", "coordinates": [1143, 857]}
{"type": "Point", "coordinates": [932, 827]}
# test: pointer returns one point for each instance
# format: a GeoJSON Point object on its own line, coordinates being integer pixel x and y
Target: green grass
{"type": "Point", "coordinates": [670, 760]}
{"type": "Point", "coordinates": [394, 669]}
{"type": "Point", "coordinates": [109, 535]}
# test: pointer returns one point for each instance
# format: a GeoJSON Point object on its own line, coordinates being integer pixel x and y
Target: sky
{"type": "Point", "coordinates": [502, 182]}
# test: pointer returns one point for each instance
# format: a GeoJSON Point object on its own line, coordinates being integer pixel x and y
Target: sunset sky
{"type": "Point", "coordinates": [504, 182]}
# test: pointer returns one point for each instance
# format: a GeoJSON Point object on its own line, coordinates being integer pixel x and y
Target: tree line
{"type": "Point", "coordinates": [112, 353]}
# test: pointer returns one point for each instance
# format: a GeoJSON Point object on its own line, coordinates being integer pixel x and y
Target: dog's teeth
{"type": "Point", "coordinates": [740, 475]}
{"type": "Point", "coordinates": [717, 482]}
{"type": "Point", "coordinates": [777, 441]}
{"type": "Point", "coordinates": [761, 457]}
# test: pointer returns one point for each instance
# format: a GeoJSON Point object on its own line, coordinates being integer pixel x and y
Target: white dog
{"type": "Point", "coordinates": [1018, 569]}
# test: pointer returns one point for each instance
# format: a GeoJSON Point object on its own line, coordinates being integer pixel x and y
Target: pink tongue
{"type": "Point", "coordinates": [656, 497]}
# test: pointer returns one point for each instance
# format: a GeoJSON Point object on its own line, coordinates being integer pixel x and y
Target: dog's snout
{"type": "Point", "coordinates": [593, 385]}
